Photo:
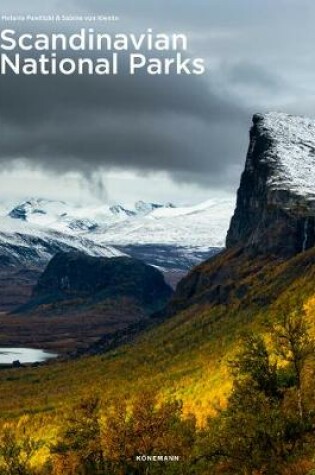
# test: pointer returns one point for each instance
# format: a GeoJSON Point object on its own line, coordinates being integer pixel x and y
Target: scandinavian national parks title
{"type": "Point", "coordinates": [88, 52]}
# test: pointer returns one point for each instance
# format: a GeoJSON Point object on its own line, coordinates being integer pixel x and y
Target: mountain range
{"type": "Point", "coordinates": [129, 229]}
{"type": "Point", "coordinates": [174, 239]}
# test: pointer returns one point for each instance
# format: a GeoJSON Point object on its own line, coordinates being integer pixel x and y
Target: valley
{"type": "Point", "coordinates": [33, 231]}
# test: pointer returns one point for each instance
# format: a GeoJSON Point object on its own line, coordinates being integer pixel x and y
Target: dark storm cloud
{"type": "Point", "coordinates": [173, 124]}
{"type": "Point", "coordinates": [191, 127]}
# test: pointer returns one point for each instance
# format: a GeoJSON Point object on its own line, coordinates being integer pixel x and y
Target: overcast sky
{"type": "Point", "coordinates": [180, 139]}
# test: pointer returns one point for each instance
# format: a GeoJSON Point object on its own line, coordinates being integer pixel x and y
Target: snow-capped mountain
{"type": "Point", "coordinates": [39, 210]}
{"type": "Point", "coordinates": [161, 234]}
{"type": "Point", "coordinates": [141, 207]}
{"type": "Point", "coordinates": [59, 215]}
{"type": "Point", "coordinates": [201, 226]}
{"type": "Point", "coordinates": [23, 243]}
{"type": "Point", "coordinates": [172, 238]}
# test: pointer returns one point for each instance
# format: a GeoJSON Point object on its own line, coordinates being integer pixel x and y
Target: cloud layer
{"type": "Point", "coordinates": [193, 128]}
{"type": "Point", "coordinates": [163, 123]}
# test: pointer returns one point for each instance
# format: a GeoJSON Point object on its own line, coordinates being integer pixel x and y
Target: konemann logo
{"type": "Point", "coordinates": [157, 458]}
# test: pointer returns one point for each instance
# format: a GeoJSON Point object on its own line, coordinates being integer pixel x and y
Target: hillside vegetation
{"type": "Point", "coordinates": [187, 358]}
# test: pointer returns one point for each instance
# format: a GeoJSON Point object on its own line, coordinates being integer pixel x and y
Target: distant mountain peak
{"type": "Point", "coordinates": [147, 207]}
{"type": "Point", "coordinates": [34, 206]}
{"type": "Point", "coordinates": [121, 210]}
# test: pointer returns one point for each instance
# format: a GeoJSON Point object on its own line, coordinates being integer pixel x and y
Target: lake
{"type": "Point", "coordinates": [24, 355]}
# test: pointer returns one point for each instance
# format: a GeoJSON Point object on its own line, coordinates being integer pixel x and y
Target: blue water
{"type": "Point", "coordinates": [24, 355]}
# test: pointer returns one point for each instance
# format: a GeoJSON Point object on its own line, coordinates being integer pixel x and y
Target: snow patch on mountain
{"type": "Point", "coordinates": [292, 152]}
{"type": "Point", "coordinates": [22, 242]}
{"type": "Point", "coordinates": [40, 211]}
{"type": "Point", "coordinates": [203, 226]}
{"type": "Point", "coordinates": [143, 208]}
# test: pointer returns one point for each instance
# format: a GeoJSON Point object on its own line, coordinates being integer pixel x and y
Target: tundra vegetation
{"type": "Point", "coordinates": [227, 387]}
{"type": "Point", "coordinates": [266, 425]}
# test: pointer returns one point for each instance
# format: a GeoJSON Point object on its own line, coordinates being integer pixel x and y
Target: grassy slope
{"type": "Point", "coordinates": [186, 357]}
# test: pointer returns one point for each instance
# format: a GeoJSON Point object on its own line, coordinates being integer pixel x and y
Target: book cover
{"type": "Point", "coordinates": [157, 232]}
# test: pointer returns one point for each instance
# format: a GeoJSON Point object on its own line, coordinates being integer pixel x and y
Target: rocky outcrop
{"type": "Point", "coordinates": [80, 299]}
{"type": "Point", "coordinates": [275, 211]}
{"type": "Point", "coordinates": [76, 275]}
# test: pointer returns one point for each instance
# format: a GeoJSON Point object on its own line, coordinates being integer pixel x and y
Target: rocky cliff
{"type": "Point", "coordinates": [274, 219]}
{"type": "Point", "coordinates": [275, 211]}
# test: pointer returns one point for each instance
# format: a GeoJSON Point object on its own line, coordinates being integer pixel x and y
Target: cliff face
{"type": "Point", "coordinates": [275, 210]}
{"type": "Point", "coordinates": [274, 219]}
